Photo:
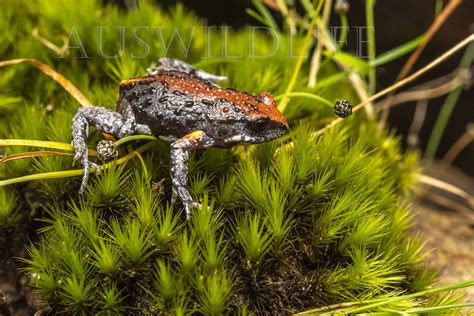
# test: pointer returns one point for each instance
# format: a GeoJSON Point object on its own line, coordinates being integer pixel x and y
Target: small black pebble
{"type": "Point", "coordinates": [106, 150]}
{"type": "Point", "coordinates": [343, 108]}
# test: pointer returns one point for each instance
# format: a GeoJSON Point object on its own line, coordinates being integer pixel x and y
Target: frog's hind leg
{"type": "Point", "coordinates": [172, 64]}
{"type": "Point", "coordinates": [109, 121]}
{"type": "Point", "coordinates": [180, 150]}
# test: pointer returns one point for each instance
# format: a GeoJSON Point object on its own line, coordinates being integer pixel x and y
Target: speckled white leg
{"type": "Point", "coordinates": [180, 150]}
{"type": "Point", "coordinates": [172, 64]}
{"type": "Point", "coordinates": [105, 120]}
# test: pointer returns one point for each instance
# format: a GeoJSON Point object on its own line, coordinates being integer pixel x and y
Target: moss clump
{"type": "Point", "coordinates": [301, 222]}
{"type": "Point", "coordinates": [284, 227]}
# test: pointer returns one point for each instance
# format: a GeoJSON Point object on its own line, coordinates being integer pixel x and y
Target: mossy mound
{"type": "Point", "coordinates": [301, 222]}
{"type": "Point", "coordinates": [284, 227]}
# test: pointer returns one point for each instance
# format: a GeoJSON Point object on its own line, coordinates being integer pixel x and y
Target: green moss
{"type": "Point", "coordinates": [301, 222]}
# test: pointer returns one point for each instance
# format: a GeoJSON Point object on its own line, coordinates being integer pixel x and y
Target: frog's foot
{"type": "Point", "coordinates": [86, 165]}
{"type": "Point", "coordinates": [188, 206]}
{"type": "Point", "coordinates": [179, 166]}
{"type": "Point", "coordinates": [188, 202]}
{"type": "Point", "coordinates": [172, 64]}
{"type": "Point", "coordinates": [119, 124]}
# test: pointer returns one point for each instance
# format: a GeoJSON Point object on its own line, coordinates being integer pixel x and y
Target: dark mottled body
{"type": "Point", "coordinates": [174, 104]}
{"type": "Point", "coordinates": [180, 103]}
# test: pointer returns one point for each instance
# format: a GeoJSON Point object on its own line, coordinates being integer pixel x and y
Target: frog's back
{"type": "Point", "coordinates": [166, 103]}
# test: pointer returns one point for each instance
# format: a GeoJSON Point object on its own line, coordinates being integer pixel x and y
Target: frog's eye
{"type": "Point", "coordinates": [266, 98]}
{"type": "Point", "coordinates": [258, 126]}
{"type": "Point", "coordinates": [225, 109]}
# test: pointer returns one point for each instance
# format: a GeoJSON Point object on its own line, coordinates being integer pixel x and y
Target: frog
{"type": "Point", "coordinates": [185, 106]}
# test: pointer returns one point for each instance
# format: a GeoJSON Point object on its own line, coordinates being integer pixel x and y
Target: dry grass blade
{"type": "Point", "coordinates": [417, 123]}
{"type": "Point", "coordinates": [423, 94]}
{"type": "Point", "coordinates": [447, 187]}
{"type": "Point", "coordinates": [447, 11]}
{"type": "Point", "coordinates": [315, 62]}
{"type": "Point", "coordinates": [405, 81]}
{"type": "Point", "coordinates": [447, 203]}
{"type": "Point", "coordinates": [32, 154]}
{"type": "Point", "coordinates": [435, 26]}
{"type": "Point", "coordinates": [47, 70]}
{"type": "Point", "coordinates": [459, 145]}
{"type": "Point", "coordinates": [73, 173]}
{"type": "Point", "coordinates": [60, 51]}
{"type": "Point", "coordinates": [35, 143]}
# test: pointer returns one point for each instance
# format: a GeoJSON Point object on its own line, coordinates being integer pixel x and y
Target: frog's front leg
{"type": "Point", "coordinates": [106, 120]}
{"type": "Point", "coordinates": [173, 64]}
{"type": "Point", "coordinates": [180, 150]}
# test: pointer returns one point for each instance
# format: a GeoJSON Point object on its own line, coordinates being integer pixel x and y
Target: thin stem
{"type": "Point", "coordinates": [134, 137]}
{"type": "Point", "coordinates": [286, 13]}
{"type": "Point", "coordinates": [307, 95]}
{"type": "Point", "coordinates": [438, 308]}
{"type": "Point", "coordinates": [424, 94]}
{"type": "Point", "coordinates": [417, 123]}
{"type": "Point", "coordinates": [316, 58]}
{"type": "Point", "coordinates": [447, 109]}
{"type": "Point", "coordinates": [448, 187]}
{"type": "Point", "coordinates": [369, 16]}
{"type": "Point", "coordinates": [405, 81]}
{"type": "Point", "coordinates": [72, 173]}
{"type": "Point", "coordinates": [433, 29]}
{"type": "Point", "coordinates": [343, 36]}
{"type": "Point", "coordinates": [299, 62]}
{"type": "Point", "coordinates": [32, 154]}
{"type": "Point", "coordinates": [459, 145]}
{"type": "Point", "coordinates": [413, 295]}
{"type": "Point", "coordinates": [35, 143]}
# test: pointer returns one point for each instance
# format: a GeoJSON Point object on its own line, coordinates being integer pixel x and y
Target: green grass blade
{"type": "Point", "coordinates": [397, 52]}
{"type": "Point", "coordinates": [265, 13]}
{"type": "Point", "coordinates": [447, 108]}
{"type": "Point", "coordinates": [450, 287]}
{"type": "Point", "coordinates": [438, 308]}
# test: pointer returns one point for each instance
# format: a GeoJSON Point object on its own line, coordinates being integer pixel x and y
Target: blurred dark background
{"type": "Point", "coordinates": [396, 22]}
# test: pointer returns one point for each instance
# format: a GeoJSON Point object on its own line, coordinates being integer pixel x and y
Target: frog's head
{"type": "Point", "coordinates": [240, 117]}
{"type": "Point", "coordinates": [264, 122]}
{"type": "Point", "coordinates": [275, 124]}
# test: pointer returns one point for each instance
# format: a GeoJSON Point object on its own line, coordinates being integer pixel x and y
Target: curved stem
{"type": "Point", "coordinates": [306, 95]}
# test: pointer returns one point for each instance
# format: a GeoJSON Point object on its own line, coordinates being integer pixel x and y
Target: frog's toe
{"type": "Point", "coordinates": [85, 177]}
{"type": "Point", "coordinates": [174, 195]}
{"type": "Point", "coordinates": [95, 166]}
{"type": "Point", "coordinates": [79, 155]}
{"type": "Point", "coordinates": [86, 164]}
{"type": "Point", "coordinates": [188, 206]}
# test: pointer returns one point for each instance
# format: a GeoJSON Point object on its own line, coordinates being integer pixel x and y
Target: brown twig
{"type": "Point", "coordinates": [448, 187]}
{"type": "Point", "coordinates": [438, 22]}
{"type": "Point", "coordinates": [417, 123]}
{"type": "Point", "coordinates": [459, 145]}
{"type": "Point", "coordinates": [424, 94]}
{"type": "Point", "coordinates": [433, 29]}
{"type": "Point", "coordinates": [446, 202]}
{"type": "Point", "coordinates": [32, 154]}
